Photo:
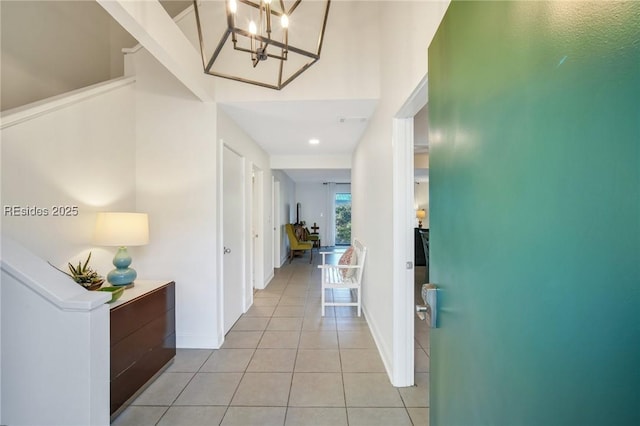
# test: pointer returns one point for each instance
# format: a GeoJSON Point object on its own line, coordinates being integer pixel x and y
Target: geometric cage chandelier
{"type": "Point", "coordinates": [267, 43]}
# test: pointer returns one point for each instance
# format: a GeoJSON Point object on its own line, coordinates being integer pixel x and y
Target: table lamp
{"type": "Point", "coordinates": [420, 214]}
{"type": "Point", "coordinates": [122, 230]}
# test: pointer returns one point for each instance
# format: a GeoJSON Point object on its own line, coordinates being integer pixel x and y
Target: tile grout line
{"type": "Point", "coordinates": [293, 371]}
{"type": "Point", "coordinates": [292, 289]}
{"type": "Point", "coordinates": [344, 390]}
{"type": "Point", "coordinates": [183, 389]}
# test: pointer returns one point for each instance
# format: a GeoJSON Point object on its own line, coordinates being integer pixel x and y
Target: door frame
{"type": "Point", "coordinates": [276, 213]}
{"type": "Point", "coordinates": [256, 236]}
{"type": "Point", "coordinates": [403, 241]}
{"type": "Point", "coordinates": [219, 247]}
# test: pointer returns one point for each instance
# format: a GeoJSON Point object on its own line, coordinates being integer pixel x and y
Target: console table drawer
{"type": "Point", "coordinates": [133, 347]}
{"type": "Point", "coordinates": [143, 339]}
{"type": "Point", "coordinates": [135, 314]}
{"type": "Point", "coordinates": [127, 384]}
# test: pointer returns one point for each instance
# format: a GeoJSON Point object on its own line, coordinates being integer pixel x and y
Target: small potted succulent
{"type": "Point", "coordinates": [84, 275]}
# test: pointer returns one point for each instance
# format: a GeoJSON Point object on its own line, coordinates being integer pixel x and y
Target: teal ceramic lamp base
{"type": "Point", "coordinates": [122, 275]}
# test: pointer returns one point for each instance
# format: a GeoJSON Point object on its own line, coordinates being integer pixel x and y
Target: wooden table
{"type": "Point", "coordinates": [143, 339]}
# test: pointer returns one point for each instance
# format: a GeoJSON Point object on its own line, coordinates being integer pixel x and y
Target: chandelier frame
{"type": "Point", "coordinates": [232, 32]}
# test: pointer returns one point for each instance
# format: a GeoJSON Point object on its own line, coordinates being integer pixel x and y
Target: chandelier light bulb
{"type": "Point", "coordinates": [233, 6]}
{"type": "Point", "coordinates": [284, 21]}
{"type": "Point", "coordinates": [252, 28]}
{"type": "Point", "coordinates": [267, 1]}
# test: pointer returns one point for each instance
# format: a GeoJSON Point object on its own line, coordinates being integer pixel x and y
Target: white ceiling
{"type": "Point", "coordinates": [285, 127]}
{"type": "Point", "coordinates": [174, 7]}
{"type": "Point", "coordinates": [319, 175]}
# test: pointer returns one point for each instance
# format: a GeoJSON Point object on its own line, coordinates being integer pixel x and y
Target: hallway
{"type": "Point", "coordinates": [283, 364]}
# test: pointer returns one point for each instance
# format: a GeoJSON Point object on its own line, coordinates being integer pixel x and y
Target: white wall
{"type": "Point", "coordinates": [74, 150]}
{"type": "Point", "coordinates": [52, 47]}
{"type": "Point", "coordinates": [173, 175]}
{"type": "Point", "coordinates": [55, 340]}
{"type": "Point", "coordinates": [316, 206]}
{"type": "Point", "coordinates": [119, 39]}
{"type": "Point", "coordinates": [176, 183]}
{"type": "Point", "coordinates": [312, 199]}
{"type": "Point", "coordinates": [346, 70]}
{"type": "Point", "coordinates": [406, 29]}
{"type": "Point", "coordinates": [234, 137]}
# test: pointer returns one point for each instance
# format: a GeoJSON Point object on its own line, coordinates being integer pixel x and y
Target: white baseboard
{"type": "Point", "coordinates": [384, 351]}
{"type": "Point", "coordinates": [268, 280]}
{"type": "Point", "coordinates": [198, 341]}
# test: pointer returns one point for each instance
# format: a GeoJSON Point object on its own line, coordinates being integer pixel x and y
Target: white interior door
{"type": "Point", "coordinates": [276, 223]}
{"type": "Point", "coordinates": [233, 230]}
{"type": "Point", "coordinates": [258, 216]}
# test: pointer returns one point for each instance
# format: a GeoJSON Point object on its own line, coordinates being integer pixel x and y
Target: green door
{"type": "Point", "coordinates": [534, 113]}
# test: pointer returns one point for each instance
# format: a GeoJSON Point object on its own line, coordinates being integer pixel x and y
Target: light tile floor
{"type": "Point", "coordinates": [284, 364]}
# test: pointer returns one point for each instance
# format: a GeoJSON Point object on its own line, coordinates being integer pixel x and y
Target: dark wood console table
{"type": "Point", "coordinates": [143, 339]}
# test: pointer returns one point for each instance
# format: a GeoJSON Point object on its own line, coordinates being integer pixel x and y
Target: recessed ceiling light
{"type": "Point", "coordinates": [314, 141]}
{"type": "Point", "coordinates": [352, 119]}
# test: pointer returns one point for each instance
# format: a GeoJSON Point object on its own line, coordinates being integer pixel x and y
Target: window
{"type": "Point", "coordinates": [343, 218]}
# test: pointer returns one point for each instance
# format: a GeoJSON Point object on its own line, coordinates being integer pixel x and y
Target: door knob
{"type": "Point", "coordinates": [430, 297]}
{"type": "Point", "coordinates": [227, 250]}
{"type": "Point", "coordinates": [420, 310]}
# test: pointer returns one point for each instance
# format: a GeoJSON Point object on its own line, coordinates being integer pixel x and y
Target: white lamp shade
{"type": "Point", "coordinates": [122, 229]}
{"type": "Point", "coordinates": [421, 214]}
